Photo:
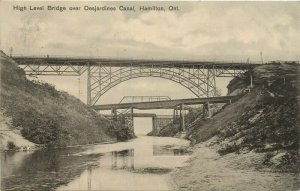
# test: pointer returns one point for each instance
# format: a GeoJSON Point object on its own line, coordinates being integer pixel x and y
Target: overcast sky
{"type": "Point", "coordinates": [218, 30]}
{"type": "Point", "coordinates": [200, 30]}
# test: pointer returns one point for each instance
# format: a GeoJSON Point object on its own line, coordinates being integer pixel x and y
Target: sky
{"type": "Point", "coordinates": [199, 30]}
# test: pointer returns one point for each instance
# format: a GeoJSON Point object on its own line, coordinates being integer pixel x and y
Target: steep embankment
{"type": "Point", "coordinates": [44, 115]}
{"type": "Point", "coordinates": [256, 137]}
{"type": "Point", "coordinates": [266, 120]}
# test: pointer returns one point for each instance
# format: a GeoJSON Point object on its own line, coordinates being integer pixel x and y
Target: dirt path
{"type": "Point", "coordinates": [207, 171]}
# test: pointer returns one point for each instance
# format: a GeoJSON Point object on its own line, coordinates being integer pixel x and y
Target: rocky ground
{"type": "Point", "coordinates": [208, 171]}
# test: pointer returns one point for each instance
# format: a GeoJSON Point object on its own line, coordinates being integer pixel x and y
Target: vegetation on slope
{"type": "Point", "coordinates": [47, 116]}
{"type": "Point", "coordinates": [266, 120]}
{"type": "Point", "coordinates": [270, 124]}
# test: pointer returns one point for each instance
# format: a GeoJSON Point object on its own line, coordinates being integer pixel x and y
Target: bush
{"type": "Point", "coordinates": [11, 145]}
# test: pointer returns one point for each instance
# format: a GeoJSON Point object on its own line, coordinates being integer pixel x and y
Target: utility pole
{"type": "Point", "coordinates": [11, 51]}
{"type": "Point", "coordinates": [251, 80]}
{"type": "Point", "coordinates": [261, 57]}
{"type": "Point", "coordinates": [79, 89]}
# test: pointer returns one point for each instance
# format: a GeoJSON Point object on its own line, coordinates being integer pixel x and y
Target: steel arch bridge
{"type": "Point", "coordinates": [104, 73]}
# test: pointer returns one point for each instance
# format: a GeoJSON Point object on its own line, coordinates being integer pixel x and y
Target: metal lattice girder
{"type": "Point", "coordinates": [105, 73]}
{"type": "Point", "coordinates": [199, 81]}
{"type": "Point", "coordinates": [131, 99]}
{"type": "Point", "coordinates": [44, 67]}
{"type": "Point", "coordinates": [51, 65]}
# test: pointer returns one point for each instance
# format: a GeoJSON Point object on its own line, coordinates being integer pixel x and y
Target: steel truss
{"type": "Point", "coordinates": [201, 81]}
{"type": "Point", "coordinates": [46, 68]}
{"type": "Point", "coordinates": [102, 75]}
{"type": "Point", "coordinates": [132, 99]}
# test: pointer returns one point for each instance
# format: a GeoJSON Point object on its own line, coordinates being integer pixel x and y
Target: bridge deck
{"type": "Point", "coordinates": [167, 104]}
{"type": "Point", "coordinates": [114, 62]}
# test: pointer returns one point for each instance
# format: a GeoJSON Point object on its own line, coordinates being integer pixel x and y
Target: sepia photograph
{"type": "Point", "coordinates": [149, 95]}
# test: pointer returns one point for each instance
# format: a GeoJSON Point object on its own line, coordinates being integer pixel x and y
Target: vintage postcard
{"type": "Point", "coordinates": [149, 95]}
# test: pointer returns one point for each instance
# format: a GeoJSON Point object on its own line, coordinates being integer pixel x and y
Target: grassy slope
{"type": "Point", "coordinates": [203, 130]}
{"type": "Point", "coordinates": [44, 115]}
{"type": "Point", "coordinates": [265, 120]}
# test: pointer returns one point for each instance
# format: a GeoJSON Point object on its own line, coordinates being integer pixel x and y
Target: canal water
{"type": "Point", "coordinates": [140, 164]}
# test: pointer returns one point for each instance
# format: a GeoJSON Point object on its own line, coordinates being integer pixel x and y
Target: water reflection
{"type": "Point", "coordinates": [133, 165]}
{"type": "Point", "coordinates": [89, 177]}
{"type": "Point", "coordinates": [122, 159]}
{"type": "Point", "coordinates": [43, 169]}
{"type": "Point", "coordinates": [159, 150]}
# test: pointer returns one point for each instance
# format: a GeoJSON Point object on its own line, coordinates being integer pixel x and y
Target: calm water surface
{"type": "Point", "coordinates": [140, 164]}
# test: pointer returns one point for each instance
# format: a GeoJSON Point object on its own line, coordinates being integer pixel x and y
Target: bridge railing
{"type": "Point", "coordinates": [139, 58]}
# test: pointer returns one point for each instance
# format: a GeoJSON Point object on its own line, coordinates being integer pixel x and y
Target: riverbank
{"type": "Point", "coordinates": [12, 137]}
{"type": "Point", "coordinates": [207, 171]}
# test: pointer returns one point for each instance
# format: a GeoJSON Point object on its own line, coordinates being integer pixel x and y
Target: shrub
{"type": "Point", "coordinates": [11, 145]}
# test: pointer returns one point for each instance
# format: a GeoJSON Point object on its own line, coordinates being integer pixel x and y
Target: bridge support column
{"type": "Point", "coordinates": [130, 120]}
{"type": "Point", "coordinates": [154, 125]}
{"type": "Point", "coordinates": [89, 101]}
{"type": "Point", "coordinates": [182, 120]}
{"type": "Point", "coordinates": [114, 115]}
{"type": "Point", "coordinates": [175, 114]}
{"type": "Point", "coordinates": [210, 83]}
{"type": "Point", "coordinates": [174, 117]}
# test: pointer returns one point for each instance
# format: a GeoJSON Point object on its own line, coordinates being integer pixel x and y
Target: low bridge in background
{"type": "Point", "coordinates": [178, 106]}
{"type": "Point", "coordinates": [166, 104]}
{"type": "Point", "coordinates": [158, 121]}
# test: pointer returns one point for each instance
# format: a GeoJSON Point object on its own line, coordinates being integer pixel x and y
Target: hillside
{"type": "Point", "coordinates": [43, 115]}
{"type": "Point", "coordinates": [264, 121]}
{"type": "Point", "coordinates": [253, 143]}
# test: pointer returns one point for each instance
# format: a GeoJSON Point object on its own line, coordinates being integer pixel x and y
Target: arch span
{"type": "Point", "coordinates": [101, 79]}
